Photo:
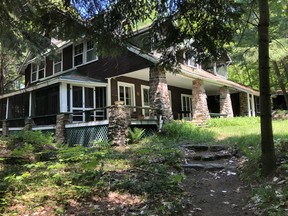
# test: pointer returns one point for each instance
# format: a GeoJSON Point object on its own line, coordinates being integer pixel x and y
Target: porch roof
{"type": "Point", "coordinates": [211, 81]}
{"type": "Point", "coordinates": [73, 77]}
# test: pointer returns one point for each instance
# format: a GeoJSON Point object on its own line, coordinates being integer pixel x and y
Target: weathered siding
{"type": "Point", "coordinates": [114, 66]}
{"type": "Point", "coordinates": [49, 67]}
{"type": "Point", "coordinates": [67, 58]}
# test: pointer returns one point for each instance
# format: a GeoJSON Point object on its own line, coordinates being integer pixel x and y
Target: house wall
{"type": "Point", "coordinates": [213, 103]}
{"type": "Point", "coordinates": [235, 104]}
{"type": "Point", "coordinates": [101, 69]}
{"type": "Point", "coordinates": [176, 99]}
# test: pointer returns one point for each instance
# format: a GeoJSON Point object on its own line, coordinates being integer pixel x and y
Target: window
{"type": "Point", "coordinates": [84, 99]}
{"type": "Point", "coordinates": [145, 99]}
{"type": "Point", "coordinates": [126, 93]}
{"type": "Point", "coordinates": [57, 63]}
{"type": "Point", "coordinates": [186, 105]}
{"type": "Point", "coordinates": [90, 52]}
{"type": "Point", "coordinates": [37, 71]}
{"type": "Point", "coordinates": [84, 53]}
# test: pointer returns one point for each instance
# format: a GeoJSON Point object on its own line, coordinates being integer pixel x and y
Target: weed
{"type": "Point", "coordinates": [136, 134]}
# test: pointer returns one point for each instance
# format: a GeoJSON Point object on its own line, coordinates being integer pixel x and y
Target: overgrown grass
{"type": "Point", "coordinates": [270, 195]}
{"type": "Point", "coordinates": [188, 132]}
{"type": "Point", "coordinates": [150, 171]}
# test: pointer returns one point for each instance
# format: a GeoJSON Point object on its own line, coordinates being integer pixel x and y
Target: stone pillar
{"type": "Point", "coordinates": [28, 124]}
{"type": "Point", "coordinates": [243, 100]}
{"type": "Point", "coordinates": [159, 95]}
{"type": "Point", "coordinates": [225, 102]}
{"type": "Point", "coordinates": [5, 128]}
{"type": "Point", "coordinates": [119, 120]}
{"type": "Point", "coordinates": [61, 121]}
{"type": "Point", "coordinates": [199, 102]}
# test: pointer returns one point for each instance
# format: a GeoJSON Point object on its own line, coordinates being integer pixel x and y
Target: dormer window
{"type": "Point", "coordinates": [37, 71]}
{"type": "Point", "coordinates": [84, 53]}
{"type": "Point", "coordinates": [57, 63]}
{"type": "Point", "coordinates": [192, 63]}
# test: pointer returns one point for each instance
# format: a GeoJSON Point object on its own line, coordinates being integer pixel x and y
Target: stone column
{"type": "Point", "coordinates": [159, 95]}
{"type": "Point", "coordinates": [199, 102]}
{"type": "Point", "coordinates": [225, 102]}
{"type": "Point", "coordinates": [119, 120]}
{"type": "Point", "coordinates": [61, 121]}
{"type": "Point", "coordinates": [28, 124]}
{"type": "Point", "coordinates": [5, 128]}
{"type": "Point", "coordinates": [243, 103]}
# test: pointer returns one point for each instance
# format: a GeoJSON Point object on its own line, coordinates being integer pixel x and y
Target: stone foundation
{"type": "Point", "coordinates": [159, 95]}
{"type": "Point", "coordinates": [119, 119]}
{"type": "Point", "coordinates": [225, 103]}
{"type": "Point", "coordinates": [199, 102]}
{"type": "Point", "coordinates": [243, 100]}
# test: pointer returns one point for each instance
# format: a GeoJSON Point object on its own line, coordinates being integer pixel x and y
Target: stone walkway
{"type": "Point", "coordinates": [212, 182]}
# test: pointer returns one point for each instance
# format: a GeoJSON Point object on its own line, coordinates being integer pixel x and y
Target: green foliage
{"type": "Point", "coordinates": [35, 138]}
{"type": "Point", "coordinates": [183, 130]}
{"type": "Point", "coordinates": [237, 121]}
{"type": "Point", "coordinates": [136, 134]}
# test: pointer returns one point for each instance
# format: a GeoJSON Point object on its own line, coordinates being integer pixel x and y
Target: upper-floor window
{"type": "Point", "coordinates": [37, 71]}
{"type": "Point", "coordinates": [57, 63]}
{"type": "Point", "coordinates": [84, 53]}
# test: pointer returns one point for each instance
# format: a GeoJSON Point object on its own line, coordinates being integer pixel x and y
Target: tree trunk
{"type": "Point", "coordinates": [267, 144]}
{"type": "Point", "coordinates": [281, 82]}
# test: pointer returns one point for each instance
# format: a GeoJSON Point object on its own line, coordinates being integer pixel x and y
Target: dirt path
{"type": "Point", "coordinates": [212, 183]}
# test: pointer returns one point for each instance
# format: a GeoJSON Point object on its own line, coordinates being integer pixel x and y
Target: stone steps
{"type": "Point", "coordinates": [207, 157]}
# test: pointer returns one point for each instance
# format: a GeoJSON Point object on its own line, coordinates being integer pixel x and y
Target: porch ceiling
{"type": "Point", "coordinates": [178, 80]}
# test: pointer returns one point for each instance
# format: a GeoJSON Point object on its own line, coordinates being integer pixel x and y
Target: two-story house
{"type": "Point", "coordinates": [75, 80]}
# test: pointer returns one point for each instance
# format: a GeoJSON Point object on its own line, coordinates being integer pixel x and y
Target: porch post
{"type": "Point", "coordinates": [199, 102]}
{"type": "Point", "coordinates": [159, 95]}
{"type": "Point", "coordinates": [243, 104]}
{"type": "Point", "coordinates": [119, 120]}
{"type": "Point", "coordinates": [249, 104]}
{"type": "Point", "coordinates": [225, 102]}
{"type": "Point", "coordinates": [63, 97]}
{"type": "Point", "coordinates": [253, 105]}
{"type": "Point", "coordinates": [30, 103]}
{"type": "Point", "coordinates": [28, 124]}
{"type": "Point", "coordinates": [61, 121]}
{"type": "Point", "coordinates": [5, 128]}
{"type": "Point", "coordinates": [7, 108]}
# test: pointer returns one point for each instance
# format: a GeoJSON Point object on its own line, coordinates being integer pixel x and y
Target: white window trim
{"type": "Point", "coordinates": [132, 86]}
{"type": "Point", "coordinates": [58, 63]}
{"type": "Point", "coordinates": [186, 95]}
{"type": "Point", "coordinates": [37, 71]}
{"type": "Point", "coordinates": [142, 97]}
{"type": "Point", "coordinates": [84, 55]}
{"type": "Point", "coordinates": [83, 108]}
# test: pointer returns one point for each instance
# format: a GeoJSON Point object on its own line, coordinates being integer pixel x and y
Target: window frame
{"type": "Point", "coordinates": [182, 104]}
{"type": "Point", "coordinates": [84, 53]}
{"type": "Point", "coordinates": [38, 69]}
{"type": "Point", "coordinates": [129, 85]}
{"type": "Point", "coordinates": [145, 87]}
{"type": "Point", "coordinates": [59, 62]}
